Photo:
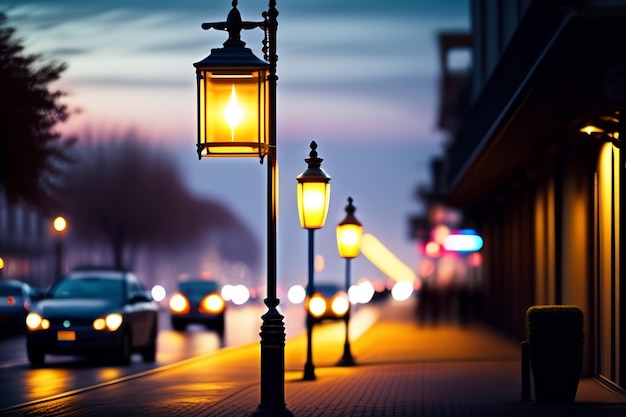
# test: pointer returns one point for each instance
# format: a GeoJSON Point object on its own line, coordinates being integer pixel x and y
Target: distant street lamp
{"type": "Point", "coordinates": [349, 233]}
{"type": "Point", "coordinates": [236, 99]}
{"type": "Point", "coordinates": [59, 224]}
{"type": "Point", "coordinates": [313, 195]}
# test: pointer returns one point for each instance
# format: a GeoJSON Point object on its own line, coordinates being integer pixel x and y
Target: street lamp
{"type": "Point", "coordinates": [349, 233]}
{"type": "Point", "coordinates": [236, 99]}
{"type": "Point", "coordinates": [59, 224]}
{"type": "Point", "coordinates": [313, 195]}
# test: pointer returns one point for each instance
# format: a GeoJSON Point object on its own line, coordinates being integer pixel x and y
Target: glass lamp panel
{"type": "Point", "coordinates": [349, 240]}
{"type": "Point", "coordinates": [232, 113]}
{"type": "Point", "coordinates": [313, 204]}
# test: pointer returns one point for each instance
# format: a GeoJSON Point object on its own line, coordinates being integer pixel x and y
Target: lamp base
{"type": "Point", "coordinates": [309, 372]}
{"type": "Point", "coordinates": [272, 363]}
{"type": "Point", "coordinates": [346, 359]}
{"type": "Point", "coordinates": [272, 412]}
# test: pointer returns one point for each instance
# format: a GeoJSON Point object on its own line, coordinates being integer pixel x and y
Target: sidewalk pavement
{"type": "Point", "coordinates": [403, 370]}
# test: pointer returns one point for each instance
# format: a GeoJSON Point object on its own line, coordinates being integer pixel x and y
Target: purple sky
{"type": "Point", "coordinates": [359, 77]}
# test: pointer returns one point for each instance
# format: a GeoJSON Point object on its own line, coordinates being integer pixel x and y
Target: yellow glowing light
{"type": "Point", "coordinates": [589, 129]}
{"type": "Point", "coordinates": [349, 240]}
{"type": "Point", "coordinates": [313, 204]}
{"type": "Point", "coordinates": [213, 304]}
{"type": "Point", "coordinates": [99, 324]}
{"type": "Point", "coordinates": [340, 304]}
{"type": "Point", "coordinates": [385, 260]}
{"type": "Point", "coordinates": [1, 263]}
{"type": "Point", "coordinates": [59, 224]}
{"type": "Point", "coordinates": [233, 112]}
{"type": "Point", "coordinates": [113, 321]}
{"type": "Point", "coordinates": [178, 304]}
{"type": "Point", "coordinates": [33, 321]}
{"type": "Point", "coordinates": [317, 306]}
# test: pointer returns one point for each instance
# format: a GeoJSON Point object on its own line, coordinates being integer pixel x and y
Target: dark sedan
{"type": "Point", "coordinates": [94, 313]}
{"type": "Point", "coordinates": [329, 302]}
{"type": "Point", "coordinates": [16, 297]}
{"type": "Point", "coordinates": [198, 301]}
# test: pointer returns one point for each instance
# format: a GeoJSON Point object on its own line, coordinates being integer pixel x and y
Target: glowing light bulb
{"type": "Point", "coordinates": [233, 112]}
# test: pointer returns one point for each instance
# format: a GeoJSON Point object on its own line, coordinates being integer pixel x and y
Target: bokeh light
{"type": "Point", "coordinates": [241, 295]}
{"type": "Point", "coordinates": [158, 293]}
{"type": "Point", "coordinates": [402, 290]}
{"type": "Point", "coordinates": [296, 294]}
{"type": "Point", "coordinates": [228, 292]}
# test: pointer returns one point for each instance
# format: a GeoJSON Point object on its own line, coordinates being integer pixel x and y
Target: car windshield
{"type": "Point", "coordinates": [327, 290]}
{"type": "Point", "coordinates": [89, 287]}
{"type": "Point", "coordinates": [203, 287]}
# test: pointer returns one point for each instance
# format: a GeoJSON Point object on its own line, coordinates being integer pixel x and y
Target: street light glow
{"type": "Point", "coordinates": [233, 112]}
{"type": "Point", "coordinates": [385, 260]}
{"type": "Point", "coordinates": [59, 224]}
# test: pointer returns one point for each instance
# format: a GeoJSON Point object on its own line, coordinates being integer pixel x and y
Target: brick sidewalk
{"type": "Point", "coordinates": [404, 370]}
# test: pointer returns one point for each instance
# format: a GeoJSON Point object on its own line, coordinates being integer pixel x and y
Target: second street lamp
{"type": "Point", "coordinates": [349, 233]}
{"type": "Point", "coordinates": [313, 196]}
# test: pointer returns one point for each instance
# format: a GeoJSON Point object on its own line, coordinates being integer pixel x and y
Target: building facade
{"type": "Point", "coordinates": [536, 165]}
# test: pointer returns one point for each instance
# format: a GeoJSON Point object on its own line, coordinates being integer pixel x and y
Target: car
{"type": "Point", "coordinates": [16, 297]}
{"type": "Point", "coordinates": [94, 313]}
{"type": "Point", "coordinates": [198, 301]}
{"type": "Point", "coordinates": [328, 302]}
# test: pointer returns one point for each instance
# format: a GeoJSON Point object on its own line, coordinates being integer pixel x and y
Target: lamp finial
{"type": "Point", "coordinates": [313, 161]}
{"type": "Point", "coordinates": [350, 209]}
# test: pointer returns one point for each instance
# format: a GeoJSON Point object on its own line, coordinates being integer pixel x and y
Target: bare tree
{"type": "Point", "coordinates": [125, 193]}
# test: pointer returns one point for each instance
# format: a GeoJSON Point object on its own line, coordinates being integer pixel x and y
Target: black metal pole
{"type": "Point", "coordinates": [273, 327]}
{"type": "Point", "coordinates": [58, 257]}
{"type": "Point", "coordinates": [309, 368]}
{"type": "Point", "coordinates": [347, 359]}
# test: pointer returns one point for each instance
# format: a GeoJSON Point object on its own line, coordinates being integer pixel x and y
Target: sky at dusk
{"type": "Point", "coordinates": [359, 77]}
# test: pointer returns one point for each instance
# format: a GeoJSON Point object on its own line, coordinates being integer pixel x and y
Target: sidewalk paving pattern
{"type": "Point", "coordinates": [403, 370]}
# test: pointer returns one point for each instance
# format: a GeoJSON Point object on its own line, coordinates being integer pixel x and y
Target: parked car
{"type": "Point", "coordinates": [93, 313]}
{"type": "Point", "coordinates": [198, 301]}
{"type": "Point", "coordinates": [328, 302]}
{"type": "Point", "coordinates": [16, 297]}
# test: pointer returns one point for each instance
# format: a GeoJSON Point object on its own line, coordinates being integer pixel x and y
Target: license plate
{"type": "Point", "coordinates": [66, 335]}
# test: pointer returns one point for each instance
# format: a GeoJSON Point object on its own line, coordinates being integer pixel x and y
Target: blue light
{"type": "Point", "coordinates": [463, 241]}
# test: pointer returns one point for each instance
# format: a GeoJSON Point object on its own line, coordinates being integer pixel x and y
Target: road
{"type": "Point", "coordinates": [20, 383]}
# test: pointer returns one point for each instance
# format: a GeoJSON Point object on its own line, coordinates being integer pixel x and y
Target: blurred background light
{"type": "Point", "coordinates": [463, 241]}
{"type": "Point", "coordinates": [402, 290]}
{"type": "Point", "coordinates": [241, 295]}
{"type": "Point", "coordinates": [158, 293]}
{"type": "Point", "coordinates": [385, 260]}
{"type": "Point", "coordinates": [296, 294]}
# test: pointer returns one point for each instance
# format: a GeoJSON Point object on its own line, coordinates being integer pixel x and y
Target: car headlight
{"type": "Point", "coordinates": [179, 304]}
{"type": "Point", "coordinates": [317, 306]}
{"type": "Point", "coordinates": [340, 305]}
{"type": "Point", "coordinates": [111, 322]}
{"type": "Point", "coordinates": [34, 321]}
{"type": "Point", "coordinates": [212, 304]}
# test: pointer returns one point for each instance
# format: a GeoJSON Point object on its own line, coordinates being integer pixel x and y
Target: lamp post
{"type": "Point", "coordinates": [349, 233]}
{"type": "Point", "coordinates": [236, 98]}
{"type": "Point", "coordinates": [313, 196]}
{"type": "Point", "coordinates": [59, 224]}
